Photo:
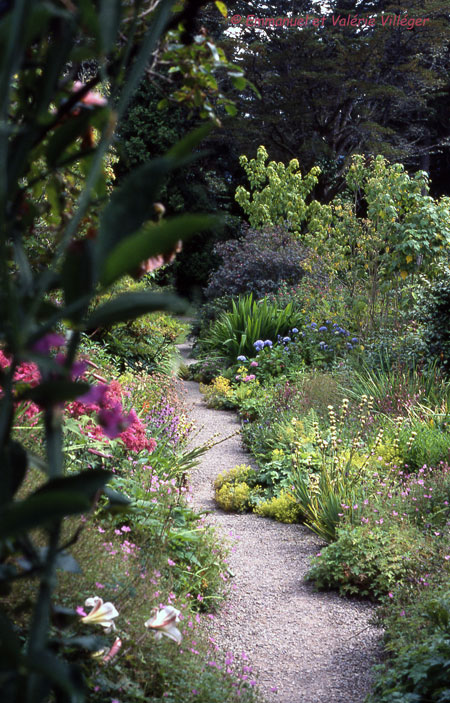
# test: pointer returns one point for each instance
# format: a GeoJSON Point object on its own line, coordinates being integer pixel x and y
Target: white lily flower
{"type": "Point", "coordinates": [163, 622]}
{"type": "Point", "coordinates": [101, 613]}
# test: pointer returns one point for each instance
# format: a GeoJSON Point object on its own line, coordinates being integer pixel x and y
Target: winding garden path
{"type": "Point", "coordinates": [303, 646]}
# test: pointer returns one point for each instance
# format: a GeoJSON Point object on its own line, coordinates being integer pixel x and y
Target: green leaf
{"type": "Point", "coordinates": [110, 11]}
{"type": "Point", "coordinates": [37, 462]}
{"type": "Point", "coordinates": [131, 205]}
{"type": "Point", "coordinates": [66, 562]}
{"type": "Point", "coordinates": [129, 306]}
{"type": "Point", "coordinates": [231, 109]}
{"type": "Point", "coordinates": [239, 82]}
{"type": "Point", "coordinates": [151, 240]}
{"type": "Point", "coordinates": [214, 51]}
{"type": "Point", "coordinates": [117, 502]}
{"type": "Point", "coordinates": [89, 17]}
{"type": "Point", "coordinates": [78, 275]}
{"type": "Point", "coordinates": [54, 392]}
{"type": "Point", "coordinates": [38, 510]}
{"type": "Point", "coordinates": [63, 561]}
{"type": "Point", "coordinates": [75, 126]}
{"type": "Point", "coordinates": [63, 676]}
{"type": "Point", "coordinates": [185, 146]}
{"type": "Point", "coordinates": [14, 462]}
{"type": "Point", "coordinates": [86, 483]}
{"type": "Point", "coordinates": [222, 8]}
{"type": "Point", "coordinates": [92, 643]}
{"type": "Point", "coordinates": [10, 647]}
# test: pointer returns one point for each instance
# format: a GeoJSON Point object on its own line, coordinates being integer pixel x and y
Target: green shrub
{"type": "Point", "coordinates": [433, 311]}
{"type": "Point", "coordinates": [257, 263]}
{"type": "Point", "coordinates": [370, 560]}
{"type": "Point", "coordinates": [239, 473]}
{"type": "Point", "coordinates": [145, 343]}
{"type": "Point", "coordinates": [218, 394]}
{"type": "Point", "coordinates": [231, 490]}
{"type": "Point", "coordinates": [419, 675]}
{"type": "Point", "coordinates": [233, 497]}
{"type": "Point", "coordinates": [283, 508]}
{"type": "Point", "coordinates": [421, 444]}
{"type": "Point", "coordinates": [235, 332]}
{"type": "Point", "coordinates": [205, 371]}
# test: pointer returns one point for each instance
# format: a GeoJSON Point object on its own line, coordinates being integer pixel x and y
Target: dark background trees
{"type": "Point", "coordinates": [319, 94]}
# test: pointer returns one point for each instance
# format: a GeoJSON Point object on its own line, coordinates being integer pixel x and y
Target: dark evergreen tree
{"type": "Point", "coordinates": [327, 92]}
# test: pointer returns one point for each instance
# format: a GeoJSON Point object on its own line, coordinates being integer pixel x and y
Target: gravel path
{"type": "Point", "coordinates": [304, 647]}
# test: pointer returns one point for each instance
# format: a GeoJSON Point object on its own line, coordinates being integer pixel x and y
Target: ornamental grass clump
{"type": "Point", "coordinates": [398, 389]}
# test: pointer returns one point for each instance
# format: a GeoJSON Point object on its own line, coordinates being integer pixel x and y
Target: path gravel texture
{"type": "Point", "coordinates": [303, 646]}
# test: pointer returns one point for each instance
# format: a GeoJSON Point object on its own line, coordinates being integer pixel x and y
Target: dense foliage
{"type": "Point", "coordinates": [94, 466]}
{"type": "Point", "coordinates": [346, 411]}
{"type": "Point", "coordinates": [326, 329]}
{"type": "Point", "coordinates": [256, 263]}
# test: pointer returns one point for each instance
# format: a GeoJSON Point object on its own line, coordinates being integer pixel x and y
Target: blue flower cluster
{"type": "Point", "coordinates": [259, 344]}
{"type": "Point", "coordinates": [330, 337]}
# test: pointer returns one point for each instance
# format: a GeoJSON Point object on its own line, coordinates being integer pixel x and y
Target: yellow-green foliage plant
{"type": "Point", "coordinates": [279, 194]}
{"type": "Point", "coordinates": [283, 508]}
{"type": "Point", "coordinates": [231, 490]}
{"type": "Point", "coordinates": [404, 230]}
{"type": "Point", "coordinates": [218, 394]}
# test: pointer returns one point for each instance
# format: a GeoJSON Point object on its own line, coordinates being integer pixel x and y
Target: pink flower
{"type": "Point", "coordinates": [112, 653]}
{"type": "Point", "coordinates": [91, 98]}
